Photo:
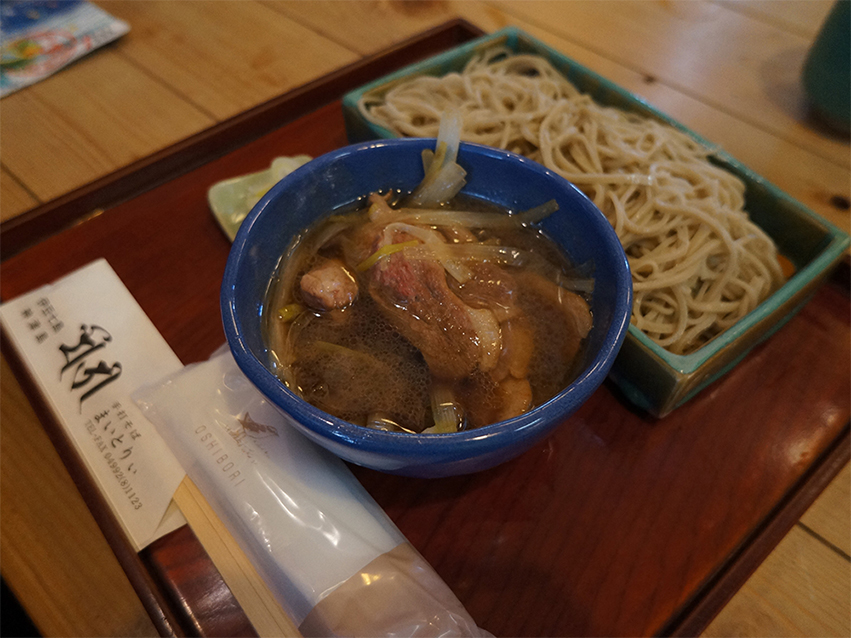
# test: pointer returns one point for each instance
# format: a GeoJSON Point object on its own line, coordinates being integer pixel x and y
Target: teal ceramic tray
{"type": "Point", "coordinates": [651, 377]}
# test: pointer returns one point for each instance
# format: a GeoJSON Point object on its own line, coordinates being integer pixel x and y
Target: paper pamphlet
{"type": "Point", "coordinates": [39, 37]}
{"type": "Point", "coordinates": [89, 345]}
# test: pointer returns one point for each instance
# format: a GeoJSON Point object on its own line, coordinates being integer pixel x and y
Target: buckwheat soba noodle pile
{"type": "Point", "coordinates": [698, 262]}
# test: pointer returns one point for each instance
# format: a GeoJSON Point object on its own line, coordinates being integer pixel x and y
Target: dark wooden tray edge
{"type": "Point", "coordinates": [723, 585]}
{"type": "Point", "coordinates": [29, 228]}
{"type": "Point", "coordinates": [152, 598]}
{"type": "Point", "coordinates": [696, 615]}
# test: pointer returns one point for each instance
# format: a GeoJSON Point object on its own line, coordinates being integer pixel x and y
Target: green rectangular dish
{"type": "Point", "coordinates": [650, 376]}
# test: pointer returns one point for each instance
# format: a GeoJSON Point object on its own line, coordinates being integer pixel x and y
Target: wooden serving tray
{"type": "Point", "coordinates": [618, 524]}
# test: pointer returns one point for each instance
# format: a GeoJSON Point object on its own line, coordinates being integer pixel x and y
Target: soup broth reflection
{"type": "Point", "coordinates": [392, 322]}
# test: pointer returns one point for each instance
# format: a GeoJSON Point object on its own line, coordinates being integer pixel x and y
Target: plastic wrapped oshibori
{"type": "Point", "coordinates": [309, 528]}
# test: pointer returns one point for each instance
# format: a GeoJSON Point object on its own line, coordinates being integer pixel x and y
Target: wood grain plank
{"type": "Point", "coordinates": [225, 70]}
{"type": "Point", "coordinates": [754, 76]}
{"type": "Point", "coordinates": [90, 119]}
{"type": "Point", "coordinates": [383, 22]}
{"type": "Point", "coordinates": [830, 515]}
{"type": "Point", "coordinates": [804, 17]}
{"type": "Point", "coordinates": [54, 556]}
{"type": "Point", "coordinates": [802, 589]}
{"type": "Point", "coordinates": [14, 198]}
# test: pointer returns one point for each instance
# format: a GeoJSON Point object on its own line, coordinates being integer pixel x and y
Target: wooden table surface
{"type": "Point", "coordinates": [728, 70]}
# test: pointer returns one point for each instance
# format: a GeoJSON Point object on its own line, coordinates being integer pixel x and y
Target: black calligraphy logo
{"type": "Point", "coordinates": [85, 376]}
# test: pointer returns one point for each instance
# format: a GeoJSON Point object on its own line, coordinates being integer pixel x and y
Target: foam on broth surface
{"type": "Point", "coordinates": [354, 363]}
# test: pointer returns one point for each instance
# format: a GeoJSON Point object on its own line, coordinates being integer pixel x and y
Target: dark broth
{"type": "Point", "coordinates": [353, 364]}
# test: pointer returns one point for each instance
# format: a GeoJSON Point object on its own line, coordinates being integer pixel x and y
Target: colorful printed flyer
{"type": "Point", "coordinates": [39, 37]}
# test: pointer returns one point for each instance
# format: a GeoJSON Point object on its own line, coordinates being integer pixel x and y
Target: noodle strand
{"type": "Point", "coordinates": [699, 263]}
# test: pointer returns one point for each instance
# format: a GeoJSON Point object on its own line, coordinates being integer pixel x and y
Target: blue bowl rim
{"type": "Point", "coordinates": [489, 437]}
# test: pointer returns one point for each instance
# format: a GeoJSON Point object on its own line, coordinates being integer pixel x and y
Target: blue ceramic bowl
{"type": "Point", "coordinates": [341, 178]}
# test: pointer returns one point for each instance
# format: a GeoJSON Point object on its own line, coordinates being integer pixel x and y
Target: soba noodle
{"type": "Point", "coordinates": [699, 263]}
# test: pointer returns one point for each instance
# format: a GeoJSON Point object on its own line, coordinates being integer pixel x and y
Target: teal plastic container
{"type": "Point", "coordinates": [650, 376]}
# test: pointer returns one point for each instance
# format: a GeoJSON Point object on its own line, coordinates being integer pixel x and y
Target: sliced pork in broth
{"type": "Point", "coordinates": [427, 319]}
